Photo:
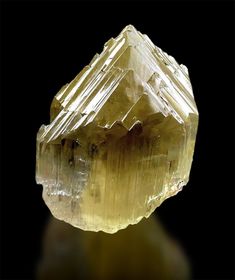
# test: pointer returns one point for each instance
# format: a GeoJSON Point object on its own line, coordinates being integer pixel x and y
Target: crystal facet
{"type": "Point", "coordinates": [121, 137]}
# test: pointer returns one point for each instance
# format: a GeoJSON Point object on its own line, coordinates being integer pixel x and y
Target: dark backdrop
{"type": "Point", "coordinates": [44, 45]}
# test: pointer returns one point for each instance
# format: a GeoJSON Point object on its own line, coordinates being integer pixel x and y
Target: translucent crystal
{"type": "Point", "coordinates": [121, 137]}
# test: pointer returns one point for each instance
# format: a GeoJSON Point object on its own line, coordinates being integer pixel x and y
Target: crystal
{"type": "Point", "coordinates": [121, 137]}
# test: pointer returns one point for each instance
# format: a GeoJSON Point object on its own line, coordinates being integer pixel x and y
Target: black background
{"type": "Point", "coordinates": [45, 44]}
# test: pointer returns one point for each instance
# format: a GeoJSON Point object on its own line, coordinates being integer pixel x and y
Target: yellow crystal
{"type": "Point", "coordinates": [121, 137]}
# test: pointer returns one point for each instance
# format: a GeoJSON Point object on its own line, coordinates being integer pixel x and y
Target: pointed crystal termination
{"type": "Point", "coordinates": [121, 137]}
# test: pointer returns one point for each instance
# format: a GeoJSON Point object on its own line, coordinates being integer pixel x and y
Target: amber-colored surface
{"type": "Point", "coordinates": [121, 137]}
{"type": "Point", "coordinates": [145, 251]}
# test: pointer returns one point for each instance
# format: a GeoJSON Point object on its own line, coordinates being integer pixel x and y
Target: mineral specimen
{"type": "Point", "coordinates": [121, 137]}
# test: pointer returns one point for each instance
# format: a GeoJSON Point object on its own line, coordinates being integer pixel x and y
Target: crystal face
{"type": "Point", "coordinates": [121, 137]}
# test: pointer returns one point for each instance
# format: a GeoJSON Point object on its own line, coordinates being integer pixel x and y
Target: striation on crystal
{"type": "Point", "coordinates": [121, 137]}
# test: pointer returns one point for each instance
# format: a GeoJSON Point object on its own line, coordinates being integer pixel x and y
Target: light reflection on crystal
{"type": "Point", "coordinates": [144, 251]}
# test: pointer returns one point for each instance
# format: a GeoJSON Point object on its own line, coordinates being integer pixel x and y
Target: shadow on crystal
{"type": "Point", "coordinates": [143, 251]}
